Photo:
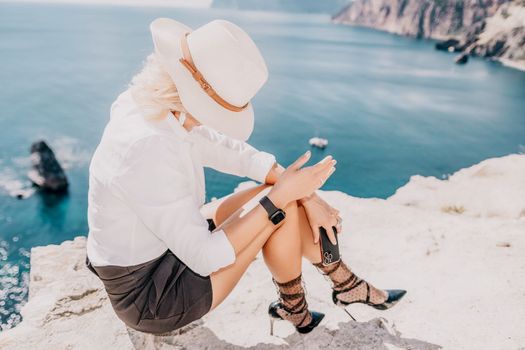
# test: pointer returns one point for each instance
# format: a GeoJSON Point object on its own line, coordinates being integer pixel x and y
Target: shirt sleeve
{"type": "Point", "coordinates": [154, 181]}
{"type": "Point", "coordinates": [229, 155]}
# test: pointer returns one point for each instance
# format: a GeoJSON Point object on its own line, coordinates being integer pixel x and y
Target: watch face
{"type": "Point", "coordinates": [278, 216]}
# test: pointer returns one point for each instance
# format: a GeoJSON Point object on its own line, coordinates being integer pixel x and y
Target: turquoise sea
{"type": "Point", "coordinates": [391, 107]}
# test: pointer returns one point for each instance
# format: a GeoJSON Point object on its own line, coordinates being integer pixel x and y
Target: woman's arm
{"type": "Point", "coordinates": [226, 154]}
{"type": "Point", "coordinates": [154, 181]}
{"type": "Point", "coordinates": [318, 212]}
{"type": "Point", "coordinates": [294, 182]}
{"type": "Point", "coordinates": [275, 171]}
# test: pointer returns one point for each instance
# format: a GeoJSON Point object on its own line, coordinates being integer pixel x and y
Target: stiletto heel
{"type": "Point", "coordinates": [292, 306]}
{"type": "Point", "coordinates": [343, 306]}
{"type": "Point", "coordinates": [272, 320]}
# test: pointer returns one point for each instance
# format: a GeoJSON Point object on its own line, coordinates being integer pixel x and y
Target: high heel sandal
{"type": "Point", "coordinates": [274, 315]}
{"type": "Point", "coordinates": [393, 297]}
{"type": "Point", "coordinates": [292, 306]}
{"type": "Point", "coordinates": [342, 285]}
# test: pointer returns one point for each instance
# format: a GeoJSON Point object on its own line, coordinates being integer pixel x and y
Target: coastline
{"type": "Point", "coordinates": [454, 244]}
{"type": "Point", "coordinates": [513, 64]}
{"type": "Point", "coordinates": [488, 29]}
{"type": "Point", "coordinates": [519, 65]}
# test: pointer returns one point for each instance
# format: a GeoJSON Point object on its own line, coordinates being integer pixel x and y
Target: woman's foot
{"type": "Point", "coordinates": [277, 311]}
{"type": "Point", "coordinates": [293, 307]}
{"type": "Point", "coordinates": [348, 288]}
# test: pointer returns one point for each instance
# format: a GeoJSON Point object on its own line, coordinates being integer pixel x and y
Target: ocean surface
{"type": "Point", "coordinates": [391, 107]}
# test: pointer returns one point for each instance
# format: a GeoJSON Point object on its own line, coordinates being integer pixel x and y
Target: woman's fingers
{"type": "Point", "coordinates": [315, 233]}
{"type": "Point", "coordinates": [300, 182]}
{"type": "Point", "coordinates": [330, 172]}
{"type": "Point", "coordinates": [301, 161]}
{"type": "Point", "coordinates": [324, 175]}
{"type": "Point", "coordinates": [331, 236]}
{"type": "Point", "coordinates": [324, 163]}
{"type": "Point", "coordinates": [326, 170]}
{"type": "Point", "coordinates": [330, 233]}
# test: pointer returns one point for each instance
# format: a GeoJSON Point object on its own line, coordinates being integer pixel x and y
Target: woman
{"type": "Point", "coordinates": [162, 263]}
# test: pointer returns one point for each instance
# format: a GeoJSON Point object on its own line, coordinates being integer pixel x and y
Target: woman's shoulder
{"type": "Point", "coordinates": [123, 100]}
{"type": "Point", "coordinates": [147, 153]}
{"type": "Point", "coordinates": [128, 116]}
{"type": "Point", "coordinates": [128, 135]}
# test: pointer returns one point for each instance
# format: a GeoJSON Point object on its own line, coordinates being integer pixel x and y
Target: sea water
{"type": "Point", "coordinates": [390, 107]}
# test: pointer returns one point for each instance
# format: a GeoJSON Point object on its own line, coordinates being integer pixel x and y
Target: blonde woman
{"type": "Point", "coordinates": [163, 263]}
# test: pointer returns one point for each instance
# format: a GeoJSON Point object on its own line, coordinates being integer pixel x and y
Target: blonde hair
{"type": "Point", "coordinates": [154, 90]}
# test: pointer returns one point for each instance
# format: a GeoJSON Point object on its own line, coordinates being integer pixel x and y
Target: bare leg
{"type": "Point", "coordinates": [282, 254]}
{"type": "Point", "coordinates": [280, 248]}
{"type": "Point", "coordinates": [310, 250]}
{"type": "Point", "coordinates": [283, 248]}
{"type": "Point", "coordinates": [341, 274]}
{"type": "Point", "coordinates": [282, 251]}
{"type": "Point", "coordinates": [224, 280]}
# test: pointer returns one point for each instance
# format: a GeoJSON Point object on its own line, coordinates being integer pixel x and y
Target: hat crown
{"type": "Point", "coordinates": [229, 60]}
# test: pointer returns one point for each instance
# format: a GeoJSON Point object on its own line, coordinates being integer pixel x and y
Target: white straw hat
{"type": "Point", "coordinates": [217, 69]}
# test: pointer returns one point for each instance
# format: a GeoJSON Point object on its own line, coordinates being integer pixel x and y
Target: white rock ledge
{"type": "Point", "coordinates": [456, 245]}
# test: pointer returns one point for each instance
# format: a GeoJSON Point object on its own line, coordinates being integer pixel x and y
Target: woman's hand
{"type": "Point", "coordinates": [296, 182]}
{"type": "Point", "coordinates": [320, 213]}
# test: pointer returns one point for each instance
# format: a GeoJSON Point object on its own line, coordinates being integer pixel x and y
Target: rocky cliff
{"type": "Point", "coordinates": [419, 18]}
{"type": "Point", "coordinates": [502, 36]}
{"type": "Point", "coordinates": [456, 245]}
{"type": "Point", "coordinates": [488, 28]}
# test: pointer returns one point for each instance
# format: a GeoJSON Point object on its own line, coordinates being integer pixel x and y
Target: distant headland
{"type": "Point", "coordinates": [493, 29]}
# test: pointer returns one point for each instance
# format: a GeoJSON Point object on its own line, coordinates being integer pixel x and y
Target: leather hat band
{"type": "Point", "coordinates": [187, 61]}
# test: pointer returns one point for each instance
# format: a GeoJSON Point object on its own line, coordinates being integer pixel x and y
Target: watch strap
{"type": "Point", "coordinates": [268, 205]}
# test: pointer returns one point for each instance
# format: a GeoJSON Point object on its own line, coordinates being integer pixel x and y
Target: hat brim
{"type": "Point", "coordinates": [166, 35]}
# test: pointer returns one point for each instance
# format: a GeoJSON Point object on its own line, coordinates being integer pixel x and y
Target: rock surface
{"type": "Point", "coordinates": [487, 28]}
{"type": "Point", "coordinates": [503, 36]}
{"type": "Point", "coordinates": [456, 245]}
{"type": "Point", "coordinates": [436, 19]}
{"type": "Point", "coordinates": [492, 188]}
{"type": "Point", "coordinates": [46, 172]}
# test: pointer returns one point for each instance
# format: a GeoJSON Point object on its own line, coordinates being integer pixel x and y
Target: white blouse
{"type": "Point", "coordinates": [146, 186]}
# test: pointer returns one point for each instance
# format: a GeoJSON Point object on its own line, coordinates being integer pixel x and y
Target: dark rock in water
{"type": "Point", "coordinates": [46, 172]}
{"type": "Point", "coordinates": [461, 59]}
{"type": "Point", "coordinates": [451, 45]}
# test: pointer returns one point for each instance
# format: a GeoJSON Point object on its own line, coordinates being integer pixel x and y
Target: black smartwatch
{"type": "Point", "coordinates": [275, 214]}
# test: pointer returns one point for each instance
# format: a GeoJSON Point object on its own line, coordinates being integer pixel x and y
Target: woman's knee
{"type": "Point", "coordinates": [289, 226]}
{"type": "Point", "coordinates": [292, 209]}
